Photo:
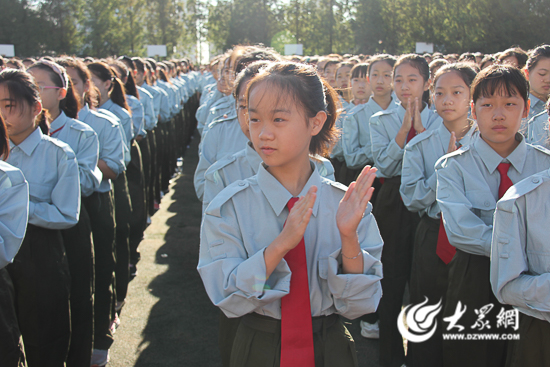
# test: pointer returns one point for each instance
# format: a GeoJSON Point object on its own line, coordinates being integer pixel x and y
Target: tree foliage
{"type": "Point", "coordinates": [114, 27]}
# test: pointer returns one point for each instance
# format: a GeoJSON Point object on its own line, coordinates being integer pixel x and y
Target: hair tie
{"type": "Point", "coordinates": [58, 69]}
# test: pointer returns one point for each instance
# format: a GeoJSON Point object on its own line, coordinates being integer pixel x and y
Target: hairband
{"type": "Point", "coordinates": [58, 69]}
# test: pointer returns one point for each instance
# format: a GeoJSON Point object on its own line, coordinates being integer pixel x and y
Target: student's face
{"type": "Point", "coordinates": [79, 86]}
{"type": "Point", "coordinates": [511, 60]}
{"type": "Point", "coordinates": [342, 77]}
{"type": "Point", "coordinates": [228, 77]}
{"type": "Point", "coordinates": [50, 94]}
{"type": "Point", "coordinates": [360, 87]}
{"type": "Point", "coordinates": [321, 68]}
{"type": "Point", "coordinates": [280, 131]}
{"type": "Point", "coordinates": [102, 86]}
{"type": "Point", "coordinates": [451, 97]}
{"type": "Point", "coordinates": [19, 119]}
{"type": "Point", "coordinates": [539, 78]}
{"type": "Point", "coordinates": [408, 83]}
{"type": "Point", "coordinates": [140, 77]}
{"type": "Point", "coordinates": [330, 74]}
{"type": "Point", "coordinates": [380, 78]}
{"type": "Point", "coordinates": [242, 113]}
{"type": "Point", "coordinates": [499, 118]}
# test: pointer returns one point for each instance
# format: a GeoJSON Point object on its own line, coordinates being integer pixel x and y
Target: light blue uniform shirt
{"type": "Point", "coordinates": [14, 211]}
{"type": "Point", "coordinates": [164, 107]}
{"type": "Point", "coordinates": [147, 100]}
{"type": "Point", "coordinates": [537, 106]}
{"type": "Point", "coordinates": [337, 151]}
{"type": "Point", "coordinates": [156, 98]}
{"type": "Point", "coordinates": [467, 189]}
{"type": "Point", "coordinates": [520, 251]}
{"type": "Point", "coordinates": [537, 130]}
{"type": "Point", "coordinates": [204, 109]}
{"type": "Point", "coordinates": [172, 97]}
{"type": "Point", "coordinates": [138, 115]}
{"type": "Point", "coordinates": [244, 164]}
{"type": "Point", "coordinates": [223, 106]}
{"type": "Point", "coordinates": [418, 178]}
{"type": "Point", "coordinates": [224, 138]}
{"type": "Point", "coordinates": [126, 142]}
{"type": "Point", "coordinates": [111, 145]}
{"type": "Point", "coordinates": [248, 215]}
{"type": "Point", "coordinates": [84, 142]}
{"type": "Point", "coordinates": [356, 142]}
{"type": "Point", "coordinates": [384, 127]}
{"type": "Point", "coordinates": [50, 167]}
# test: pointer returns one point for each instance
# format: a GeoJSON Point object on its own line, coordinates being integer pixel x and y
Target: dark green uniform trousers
{"type": "Point", "coordinates": [532, 347]}
{"type": "Point", "coordinates": [469, 283]}
{"type": "Point", "coordinates": [258, 342]}
{"type": "Point", "coordinates": [428, 280]}
{"type": "Point", "coordinates": [136, 189]}
{"type": "Point", "coordinates": [154, 172]}
{"type": "Point", "coordinates": [40, 276]}
{"type": "Point", "coordinates": [80, 253]}
{"type": "Point", "coordinates": [397, 227]}
{"type": "Point", "coordinates": [100, 208]}
{"type": "Point", "coordinates": [11, 348]}
{"type": "Point", "coordinates": [123, 211]}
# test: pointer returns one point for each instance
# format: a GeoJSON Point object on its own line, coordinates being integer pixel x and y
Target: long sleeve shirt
{"type": "Point", "coordinates": [248, 215]}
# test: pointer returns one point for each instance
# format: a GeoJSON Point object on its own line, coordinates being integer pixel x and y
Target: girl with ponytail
{"type": "Point", "coordinates": [253, 259]}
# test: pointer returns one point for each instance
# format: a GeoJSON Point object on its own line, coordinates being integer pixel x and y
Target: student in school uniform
{"type": "Point", "coordinates": [59, 99]}
{"type": "Point", "coordinates": [537, 129]}
{"type": "Point", "coordinates": [366, 79]}
{"type": "Point", "coordinates": [100, 204]}
{"type": "Point", "coordinates": [253, 264]}
{"type": "Point", "coordinates": [390, 131]}
{"type": "Point", "coordinates": [538, 73]}
{"type": "Point", "coordinates": [39, 272]}
{"type": "Point", "coordinates": [14, 216]}
{"type": "Point", "coordinates": [519, 267]}
{"type": "Point", "coordinates": [239, 166]}
{"type": "Point", "coordinates": [451, 95]}
{"type": "Point", "coordinates": [135, 169]}
{"type": "Point", "coordinates": [112, 99]}
{"type": "Point", "coordinates": [469, 183]}
{"type": "Point", "coordinates": [209, 100]}
{"type": "Point", "coordinates": [225, 136]}
{"type": "Point", "coordinates": [514, 56]}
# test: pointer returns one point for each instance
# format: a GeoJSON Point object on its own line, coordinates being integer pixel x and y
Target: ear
{"type": "Point", "coordinates": [37, 108]}
{"type": "Point", "coordinates": [317, 122]}
{"type": "Point", "coordinates": [473, 110]}
{"type": "Point", "coordinates": [87, 86]}
{"type": "Point", "coordinates": [427, 84]}
{"type": "Point", "coordinates": [61, 94]}
{"type": "Point", "coordinates": [526, 109]}
{"type": "Point", "coordinates": [107, 85]}
{"type": "Point", "coordinates": [526, 72]}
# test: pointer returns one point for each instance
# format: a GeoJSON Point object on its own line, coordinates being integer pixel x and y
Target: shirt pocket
{"type": "Point", "coordinates": [483, 204]}
{"type": "Point", "coordinates": [217, 250]}
{"type": "Point", "coordinates": [322, 268]}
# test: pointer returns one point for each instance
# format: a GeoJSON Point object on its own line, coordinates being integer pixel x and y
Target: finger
{"type": "Point", "coordinates": [367, 172]}
{"type": "Point", "coordinates": [366, 198]}
{"type": "Point", "coordinates": [349, 191]}
{"type": "Point", "coordinates": [369, 179]}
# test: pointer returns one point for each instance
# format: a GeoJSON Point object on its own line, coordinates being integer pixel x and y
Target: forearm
{"type": "Point", "coordinates": [352, 255]}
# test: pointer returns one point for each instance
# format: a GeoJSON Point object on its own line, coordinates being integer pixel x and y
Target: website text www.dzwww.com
{"type": "Point", "coordinates": [480, 336]}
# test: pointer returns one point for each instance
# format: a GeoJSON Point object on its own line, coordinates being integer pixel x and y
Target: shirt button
{"type": "Point", "coordinates": [487, 203]}
{"type": "Point", "coordinates": [536, 180]}
{"type": "Point", "coordinates": [242, 183]}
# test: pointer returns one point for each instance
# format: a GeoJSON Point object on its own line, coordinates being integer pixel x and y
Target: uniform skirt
{"type": "Point", "coordinates": [11, 348]}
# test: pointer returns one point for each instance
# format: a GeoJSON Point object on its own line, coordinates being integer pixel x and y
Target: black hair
{"type": "Point", "coordinates": [302, 83]}
{"type": "Point", "coordinates": [518, 53]}
{"type": "Point", "coordinates": [23, 90]}
{"type": "Point", "coordinates": [245, 75]}
{"type": "Point", "coordinates": [91, 97]}
{"type": "Point", "coordinates": [505, 79]}
{"type": "Point", "coordinates": [389, 59]}
{"type": "Point", "coordinates": [70, 105]}
{"type": "Point", "coordinates": [255, 54]}
{"type": "Point", "coordinates": [464, 69]}
{"type": "Point", "coordinates": [419, 63]}
{"type": "Point", "coordinates": [360, 70]}
{"type": "Point", "coordinates": [541, 52]}
{"type": "Point", "coordinates": [4, 140]}
{"type": "Point", "coordinates": [117, 93]}
{"type": "Point", "coordinates": [122, 71]}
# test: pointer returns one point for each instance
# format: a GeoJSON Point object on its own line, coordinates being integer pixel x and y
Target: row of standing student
{"type": "Point", "coordinates": [417, 243]}
{"type": "Point", "coordinates": [76, 174]}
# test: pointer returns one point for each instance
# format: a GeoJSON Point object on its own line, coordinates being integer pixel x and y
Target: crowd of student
{"type": "Point", "coordinates": [328, 185]}
{"type": "Point", "coordinates": [89, 148]}
{"type": "Point", "coordinates": [446, 135]}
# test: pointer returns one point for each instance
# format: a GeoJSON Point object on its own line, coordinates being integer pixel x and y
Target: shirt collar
{"type": "Point", "coordinates": [253, 157]}
{"type": "Point", "coordinates": [30, 143]}
{"type": "Point", "coordinates": [60, 121]}
{"type": "Point", "coordinates": [107, 104]}
{"type": "Point", "coordinates": [278, 196]}
{"type": "Point", "coordinates": [534, 100]}
{"type": "Point", "coordinates": [492, 159]}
